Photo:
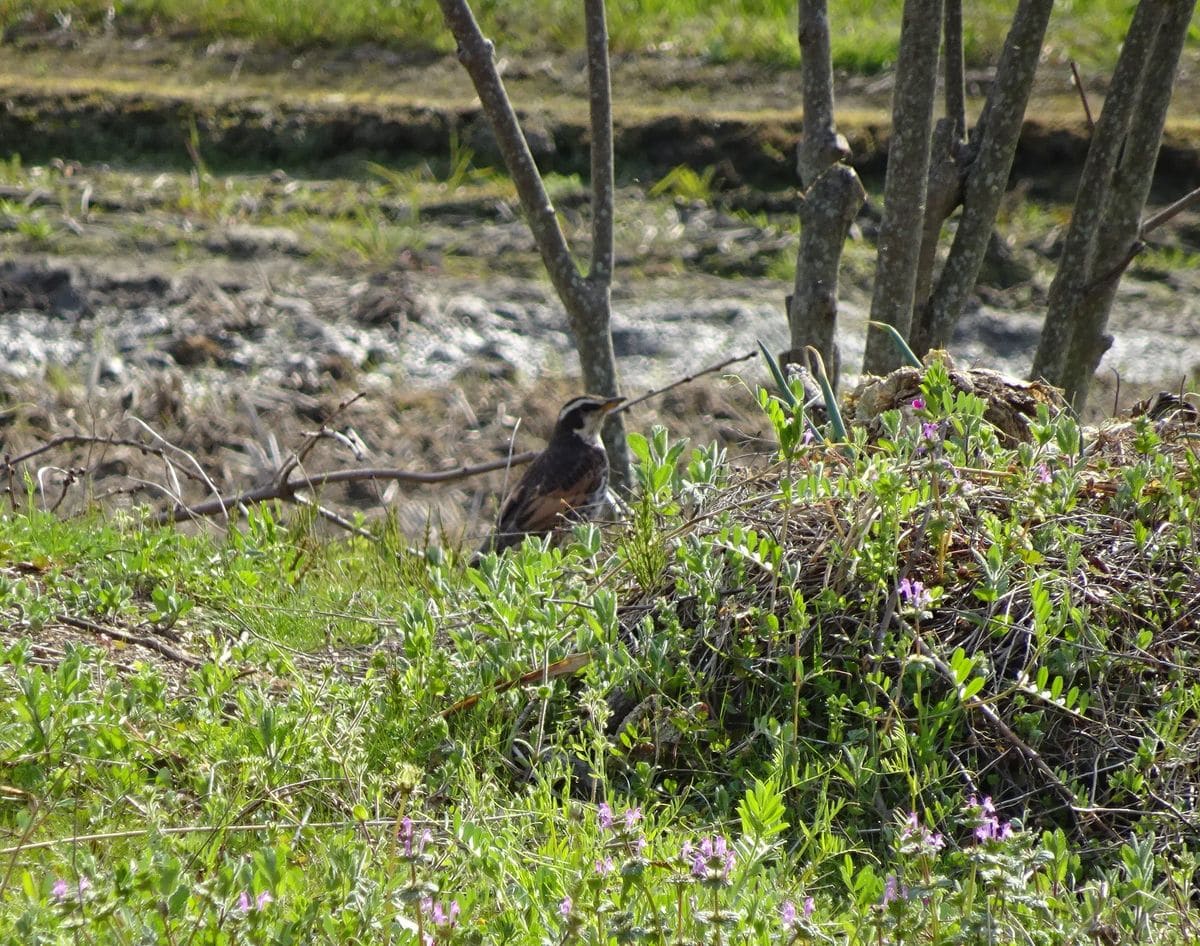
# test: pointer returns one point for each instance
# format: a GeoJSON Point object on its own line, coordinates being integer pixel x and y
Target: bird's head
{"type": "Point", "coordinates": [583, 416]}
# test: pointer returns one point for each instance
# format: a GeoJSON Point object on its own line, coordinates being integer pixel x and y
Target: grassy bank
{"type": "Point", "coordinates": [864, 33]}
{"type": "Point", "coordinates": [782, 683]}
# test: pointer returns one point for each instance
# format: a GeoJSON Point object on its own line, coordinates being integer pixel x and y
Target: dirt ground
{"type": "Point", "coordinates": [230, 312]}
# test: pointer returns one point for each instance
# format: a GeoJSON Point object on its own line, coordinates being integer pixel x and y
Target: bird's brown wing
{"type": "Point", "coordinates": [553, 486]}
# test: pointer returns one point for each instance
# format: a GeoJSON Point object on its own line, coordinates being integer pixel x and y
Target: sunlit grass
{"type": "Point", "coordinates": [864, 32]}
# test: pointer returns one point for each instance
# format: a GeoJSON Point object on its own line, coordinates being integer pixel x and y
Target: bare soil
{"type": "Point", "coordinates": [231, 297]}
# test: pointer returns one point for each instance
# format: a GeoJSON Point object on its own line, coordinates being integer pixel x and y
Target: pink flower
{"type": "Point", "coordinates": [918, 404]}
{"type": "Point", "coordinates": [263, 899]}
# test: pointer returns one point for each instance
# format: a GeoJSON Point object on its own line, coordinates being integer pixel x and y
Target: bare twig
{"type": "Point", "coordinates": [1155, 221]}
{"type": "Point", "coordinates": [287, 490]}
{"type": "Point", "coordinates": [330, 516]}
{"type": "Point", "coordinates": [1087, 108]}
{"type": "Point", "coordinates": [8, 463]}
{"type": "Point", "coordinates": [150, 643]}
{"type": "Point", "coordinates": [711, 369]}
{"type": "Point", "coordinates": [312, 439]}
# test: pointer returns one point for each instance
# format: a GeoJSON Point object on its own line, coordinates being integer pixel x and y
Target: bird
{"type": "Point", "coordinates": [568, 481]}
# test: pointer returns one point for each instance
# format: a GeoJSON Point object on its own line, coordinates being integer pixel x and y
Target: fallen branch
{"type": "Point", "coordinates": [287, 490]}
{"type": "Point", "coordinates": [151, 643]}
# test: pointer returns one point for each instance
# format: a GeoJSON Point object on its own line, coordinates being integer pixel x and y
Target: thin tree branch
{"type": "Point", "coordinates": [954, 73]}
{"type": "Point", "coordinates": [1155, 221]}
{"type": "Point", "coordinates": [600, 104]}
{"type": "Point", "coordinates": [9, 463]}
{"type": "Point", "coordinates": [1075, 265]}
{"type": "Point", "coordinates": [475, 52]}
{"type": "Point", "coordinates": [286, 490]}
{"type": "Point", "coordinates": [1087, 107]}
{"type": "Point", "coordinates": [711, 369]}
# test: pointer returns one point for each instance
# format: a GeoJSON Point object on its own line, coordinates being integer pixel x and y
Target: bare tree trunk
{"type": "Point", "coordinates": [905, 186]}
{"type": "Point", "coordinates": [833, 195]}
{"type": "Point", "coordinates": [946, 155]}
{"type": "Point", "coordinates": [996, 135]}
{"type": "Point", "coordinates": [1122, 202]}
{"type": "Point", "coordinates": [953, 67]}
{"type": "Point", "coordinates": [587, 300]}
{"type": "Point", "coordinates": [1112, 192]}
{"type": "Point", "coordinates": [593, 336]}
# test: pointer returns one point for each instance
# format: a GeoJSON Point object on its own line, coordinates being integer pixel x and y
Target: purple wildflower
{"type": "Point", "coordinates": [808, 436]}
{"type": "Point", "coordinates": [913, 593]}
{"type": "Point", "coordinates": [918, 404]}
{"type": "Point", "coordinates": [924, 839]}
{"type": "Point", "coordinates": [892, 889]}
{"type": "Point", "coordinates": [440, 915]}
{"type": "Point", "coordinates": [810, 906]}
{"type": "Point", "coordinates": [60, 889]}
{"type": "Point", "coordinates": [1043, 473]}
{"type": "Point", "coordinates": [713, 859]}
{"type": "Point", "coordinates": [565, 906]}
{"type": "Point", "coordinates": [632, 817]}
{"type": "Point", "coordinates": [990, 827]}
{"type": "Point", "coordinates": [247, 904]}
{"type": "Point", "coordinates": [787, 914]}
{"type": "Point", "coordinates": [605, 866]}
{"type": "Point", "coordinates": [930, 430]}
{"type": "Point", "coordinates": [604, 816]}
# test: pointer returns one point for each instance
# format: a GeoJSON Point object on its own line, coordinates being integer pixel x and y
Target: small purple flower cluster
{"type": "Point", "coordinates": [914, 594]}
{"type": "Point", "coordinates": [789, 916]}
{"type": "Point", "coordinates": [246, 905]}
{"type": "Point", "coordinates": [710, 861]}
{"type": "Point", "coordinates": [413, 848]}
{"type": "Point", "coordinates": [62, 889]}
{"type": "Point", "coordinates": [912, 832]}
{"type": "Point", "coordinates": [444, 917]}
{"type": "Point", "coordinates": [893, 890]}
{"type": "Point", "coordinates": [990, 827]}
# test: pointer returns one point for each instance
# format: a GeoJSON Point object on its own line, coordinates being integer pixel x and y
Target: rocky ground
{"type": "Point", "coordinates": [231, 312]}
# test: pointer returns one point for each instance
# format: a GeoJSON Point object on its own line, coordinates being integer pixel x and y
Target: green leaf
{"type": "Point", "coordinates": [761, 810]}
{"type": "Point", "coordinates": [785, 391]}
{"type": "Point", "coordinates": [898, 340]}
{"type": "Point", "coordinates": [836, 423]}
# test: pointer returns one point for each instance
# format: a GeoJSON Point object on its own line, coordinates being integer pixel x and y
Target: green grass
{"type": "Point", "coordinates": [864, 32]}
{"type": "Point", "coordinates": [781, 703]}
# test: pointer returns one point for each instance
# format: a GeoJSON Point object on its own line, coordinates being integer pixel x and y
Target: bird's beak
{"type": "Point", "coordinates": [612, 403]}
